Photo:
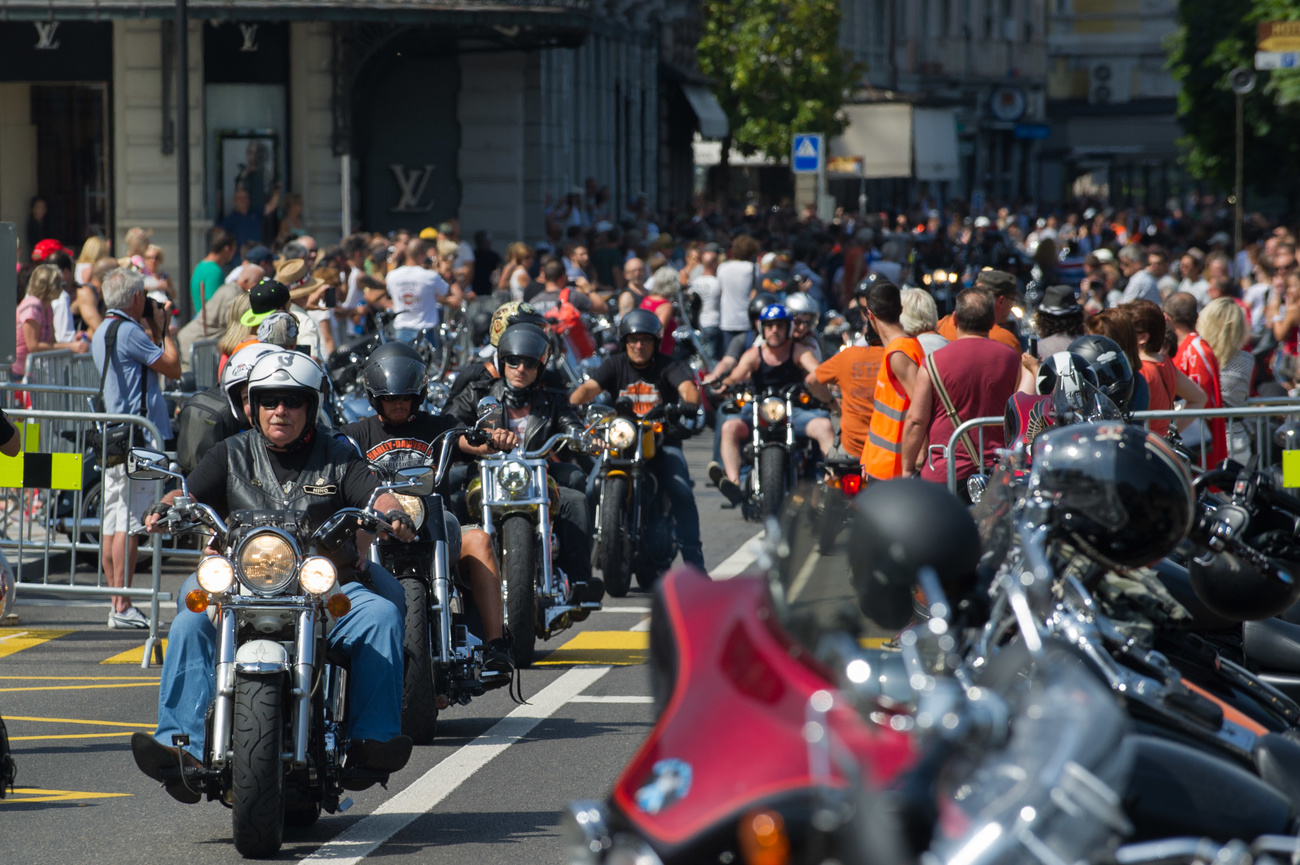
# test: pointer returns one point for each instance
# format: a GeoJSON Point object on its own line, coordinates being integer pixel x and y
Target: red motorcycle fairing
{"type": "Point", "coordinates": [731, 735]}
{"type": "Point", "coordinates": [1027, 416]}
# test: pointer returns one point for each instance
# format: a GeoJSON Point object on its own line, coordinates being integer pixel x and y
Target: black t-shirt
{"type": "Point", "coordinates": [396, 447]}
{"type": "Point", "coordinates": [485, 261]}
{"type": "Point", "coordinates": [647, 388]}
{"type": "Point", "coordinates": [207, 482]}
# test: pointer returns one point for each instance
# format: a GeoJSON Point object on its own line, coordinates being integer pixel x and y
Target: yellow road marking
{"type": "Point", "coordinates": [152, 683]}
{"type": "Point", "coordinates": [79, 721]}
{"type": "Point", "coordinates": [13, 640]}
{"type": "Point", "coordinates": [131, 656]}
{"type": "Point", "coordinates": [618, 648]}
{"type": "Point", "coordinates": [69, 736]}
{"type": "Point", "coordinates": [23, 795]}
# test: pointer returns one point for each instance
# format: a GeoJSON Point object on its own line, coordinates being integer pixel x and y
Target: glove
{"type": "Point", "coordinates": [162, 509]}
{"type": "Point", "coordinates": [398, 518]}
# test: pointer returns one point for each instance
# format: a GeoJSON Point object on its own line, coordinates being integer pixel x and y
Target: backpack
{"type": "Point", "coordinates": [566, 321]}
{"type": "Point", "coordinates": [205, 420]}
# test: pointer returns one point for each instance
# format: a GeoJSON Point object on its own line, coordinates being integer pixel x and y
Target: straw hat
{"type": "Point", "coordinates": [293, 273]}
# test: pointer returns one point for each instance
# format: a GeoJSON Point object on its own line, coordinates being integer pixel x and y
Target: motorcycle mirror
{"type": "Point", "coordinates": [146, 464]}
{"type": "Point", "coordinates": [597, 414]}
{"type": "Point", "coordinates": [488, 411]}
{"type": "Point", "coordinates": [415, 480]}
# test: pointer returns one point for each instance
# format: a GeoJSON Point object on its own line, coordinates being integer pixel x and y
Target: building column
{"type": "Point", "coordinates": [315, 170]}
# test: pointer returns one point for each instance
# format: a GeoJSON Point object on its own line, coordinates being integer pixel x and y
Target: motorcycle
{"type": "Point", "coordinates": [512, 497]}
{"type": "Point", "coordinates": [442, 647]}
{"type": "Point", "coordinates": [777, 458]}
{"type": "Point", "coordinates": [634, 519]}
{"type": "Point", "coordinates": [275, 730]}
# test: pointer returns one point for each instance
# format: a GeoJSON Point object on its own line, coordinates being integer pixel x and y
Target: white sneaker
{"type": "Point", "coordinates": [131, 619]}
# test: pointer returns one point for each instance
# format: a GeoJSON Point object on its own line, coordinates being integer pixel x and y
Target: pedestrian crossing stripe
{"type": "Point", "coordinates": [14, 640]}
{"type": "Point", "coordinates": [30, 795]}
{"type": "Point", "coordinates": [33, 470]}
{"type": "Point", "coordinates": [132, 656]}
{"type": "Point", "coordinates": [603, 648]}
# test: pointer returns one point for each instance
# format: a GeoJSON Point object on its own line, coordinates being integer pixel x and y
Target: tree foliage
{"type": "Point", "coordinates": [777, 69]}
{"type": "Point", "coordinates": [1214, 37]}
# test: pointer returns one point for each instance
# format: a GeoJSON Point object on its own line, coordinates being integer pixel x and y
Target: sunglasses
{"type": "Point", "coordinates": [404, 397]}
{"type": "Point", "coordinates": [274, 400]}
{"type": "Point", "coordinates": [806, 322]}
{"type": "Point", "coordinates": [516, 361]}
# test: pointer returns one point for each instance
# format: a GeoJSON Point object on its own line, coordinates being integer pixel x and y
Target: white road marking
{"type": "Point", "coordinates": [739, 561]}
{"type": "Point", "coordinates": [805, 573]}
{"type": "Point", "coordinates": [643, 625]}
{"type": "Point", "coordinates": [645, 611]}
{"type": "Point", "coordinates": [17, 634]}
{"type": "Point", "coordinates": [364, 837]}
{"type": "Point", "coordinates": [591, 698]}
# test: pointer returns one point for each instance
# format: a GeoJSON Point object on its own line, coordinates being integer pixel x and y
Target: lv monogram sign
{"type": "Point", "coordinates": [412, 184]}
{"type": "Point", "coordinates": [45, 35]}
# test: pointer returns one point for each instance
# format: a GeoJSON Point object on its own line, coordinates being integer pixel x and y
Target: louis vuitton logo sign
{"type": "Point", "coordinates": [249, 32]}
{"type": "Point", "coordinates": [412, 184]}
{"type": "Point", "coordinates": [45, 35]}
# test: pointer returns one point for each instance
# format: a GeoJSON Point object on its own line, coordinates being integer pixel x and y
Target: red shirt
{"type": "Point", "coordinates": [1196, 361]}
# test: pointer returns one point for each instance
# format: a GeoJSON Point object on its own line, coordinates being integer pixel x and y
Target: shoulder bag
{"type": "Point", "coordinates": [113, 441]}
{"type": "Point", "coordinates": [977, 456]}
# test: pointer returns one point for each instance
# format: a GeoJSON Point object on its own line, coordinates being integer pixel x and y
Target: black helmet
{"type": "Point", "coordinates": [1237, 590]}
{"type": "Point", "coordinates": [901, 526]}
{"type": "Point", "coordinates": [1108, 361]}
{"type": "Point", "coordinates": [1074, 367]}
{"type": "Point", "coordinates": [394, 369]}
{"type": "Point", "coordinates": [640, 321]}
{"type": "Point", "coordinates": [1115, 490]}
{"type": "Point", "coordinates": [761, 301]}
{"type": "Point", "coordinates": [522, 340]}
{"type": "Point", "coordinates": [864, 287]}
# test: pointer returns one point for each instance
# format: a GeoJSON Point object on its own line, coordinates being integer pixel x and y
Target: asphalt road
{"type": "Point", "coordinates": [488, 790]}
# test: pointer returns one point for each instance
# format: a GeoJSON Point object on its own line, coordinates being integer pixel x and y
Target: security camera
{"type": "Point", "coordinates": [1241, 80]}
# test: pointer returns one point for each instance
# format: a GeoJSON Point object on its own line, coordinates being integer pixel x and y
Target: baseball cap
{"type": "Point", "coordinates": [46, 248]}
{"type": "Point", "coordinates": [429, 233]}
{"type": "Point", "coordinates": [264, 299]}
{"type": "Point", "coordinates": [278, 328]}
{"type": "Point", "coordinates": [259, 255]}
{"type": "Point", "coordinates": [998, 282]}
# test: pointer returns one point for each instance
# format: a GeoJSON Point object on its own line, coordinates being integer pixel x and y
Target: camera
{"type": "Point", "coordinates": [150, 307]}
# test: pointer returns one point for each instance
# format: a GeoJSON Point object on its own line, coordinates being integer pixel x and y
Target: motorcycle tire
{"type": "Point", "coordinates": [256, 771]}
{"type": "Point", "coordinates": [419, 706]}
{"type": "Point", "coordinates": [772, 466]}
{"type": "Point", "coordinates": [612, 553]}
{"type": "Point", "coordinates": [518, 554]}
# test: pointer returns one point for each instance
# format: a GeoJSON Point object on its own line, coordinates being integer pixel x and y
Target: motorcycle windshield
{"type": "Point", "coordinates": [1077, 400]}
{"type": "Point", "coordinates": [1051, 791]}
{"type": "Point", "coordinates": [811, 578]}
{"type": "Point", "coordinates": [993, 513]}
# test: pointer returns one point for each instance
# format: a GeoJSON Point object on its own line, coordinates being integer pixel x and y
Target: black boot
{"type": "Point", "coordinates": [168, 766]}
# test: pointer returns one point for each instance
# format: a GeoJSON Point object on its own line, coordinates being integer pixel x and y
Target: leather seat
{"type": "Point", "coordinates": [1277, 759]}
{"type": "Point", "coordinates": [1272, 645]}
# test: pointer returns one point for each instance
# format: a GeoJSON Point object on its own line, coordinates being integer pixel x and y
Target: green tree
{"type": "Point", "coordinates": [1213, 37]}
{"type": "Point", "coordinates": [777, 69]}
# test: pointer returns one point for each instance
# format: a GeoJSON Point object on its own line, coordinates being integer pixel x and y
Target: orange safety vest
{"type": "Point", "coordinates": [882, 455]}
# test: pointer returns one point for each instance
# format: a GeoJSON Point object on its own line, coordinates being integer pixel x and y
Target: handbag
{"type": "Point", "coordinates": [113, 441]}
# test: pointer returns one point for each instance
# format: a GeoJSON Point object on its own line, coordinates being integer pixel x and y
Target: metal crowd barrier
{"type": "Point", "coordinates": [205, 357]}
{"type": "Point", "coordinates": [46, 509]}
{"type": "Point", "coordinates": [1257, 411]}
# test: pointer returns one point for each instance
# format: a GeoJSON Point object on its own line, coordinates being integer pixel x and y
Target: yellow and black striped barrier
{"type": "Point", "coordinates": [35, 470]}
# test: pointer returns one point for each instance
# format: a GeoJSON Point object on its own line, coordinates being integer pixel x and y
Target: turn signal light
{"type": "Point", "coordinates": [658, 427]}
{"type": "Point", "coordinates": [339, 605]}
{"type": "Point", "coordinates": [851, 484]}
{"type": "Point", "coordinates": [763, 840]}
{"type": "Point", "coordinates": [196, 601]}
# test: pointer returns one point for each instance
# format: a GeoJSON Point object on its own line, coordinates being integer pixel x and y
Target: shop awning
{"type": "Point", "coordinates": [713, 120]}
{"type": "Point", "coordinates": [882, 135]}
{"type": "Point", "coordinates": [934, 142]}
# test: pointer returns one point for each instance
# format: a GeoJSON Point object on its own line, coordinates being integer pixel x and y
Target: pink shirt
{"type": "Point", "coordinates": [668, 342]}
{"type": "Point", "coordinates": [31, 309]}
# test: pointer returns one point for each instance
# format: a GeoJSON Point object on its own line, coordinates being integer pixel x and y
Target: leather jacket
{"type": "Point", "coordinates": [549, 411]}
{"type": "Point", "coordinates": [251, 483]}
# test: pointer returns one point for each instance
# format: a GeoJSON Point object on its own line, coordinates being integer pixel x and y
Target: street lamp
{"type": "Point", "coordinates": [1242, 81]}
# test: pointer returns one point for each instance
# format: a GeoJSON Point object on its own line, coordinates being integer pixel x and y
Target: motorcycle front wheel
{"type": "Point", "coordinates": [612, 554]}
{"type": "Point", "coordinates": [518, 555]}
{"type": "Point", "coordinates": [256, 772]}
{"type": "Point", "coordinates": [772, 465]}
{"type": "Point", "coordinates": [419, 706]}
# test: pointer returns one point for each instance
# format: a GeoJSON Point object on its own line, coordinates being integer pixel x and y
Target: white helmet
{"type": "Point", "coordinates": [238, 367]}
{"type": "Point", "coordinates": [282, 371]}
{"type": "Point", "coordinates": [799, 303]}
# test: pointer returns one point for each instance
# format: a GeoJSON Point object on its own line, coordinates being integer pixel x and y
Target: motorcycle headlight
{"type": "Point", "coordinates": [216, 574]}
{"type": "Point", "coordinates": [317, 575]}
{"type": "Point", "coordinates": [773, 409]}
{"type": "Point", "coordinates": [941, 276]}
{"type": "Point", "coordinates": [513, 477]}
{"type": "Point", "coordinates": [414, 507]}
{"type": "Point", "coordinates": [621, 433]}
{"type": "Point", "coordinates": [266, 561]}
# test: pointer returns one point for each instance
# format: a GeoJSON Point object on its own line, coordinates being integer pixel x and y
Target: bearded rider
{"type": "Point", "coordinates": [647, 379]}
{"type": "Point", "coordinates": [401, 435]}
{"type": "Point", "coordinates": [314, 472]}
{"type": "Point", "coordinates": [534, 413]}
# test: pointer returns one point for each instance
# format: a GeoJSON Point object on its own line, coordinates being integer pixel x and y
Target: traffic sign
{"type": "Point", "coordinates": [1278, 36]}
{"type": "Point", "coordinates": [806, 154]}
{"type": "Point", "coordinates": [1277, 59]}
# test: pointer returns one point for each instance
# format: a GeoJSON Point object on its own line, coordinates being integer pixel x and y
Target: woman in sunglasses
{"type": "Point", "coordinates": [534, 413]}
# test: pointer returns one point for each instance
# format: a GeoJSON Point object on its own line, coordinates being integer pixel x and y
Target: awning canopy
{"type": "Point", "coordinates": [713, 120]}
{"type": "Point", "coordinates": [882, 135]}
{"type": "Point", "coordinates": [934, 141]}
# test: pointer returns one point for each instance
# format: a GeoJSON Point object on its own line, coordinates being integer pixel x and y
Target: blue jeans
{"type": "Point", "coordinates": [800, 417]}
{"type": "Point", "coordinates": [670, 468]}
{"type": "Point", "coordinates": [409, 335]}
{"type": "Point", "coordinates": [712, 339]}
{"type": "Point", "coordinates": [371, 634]}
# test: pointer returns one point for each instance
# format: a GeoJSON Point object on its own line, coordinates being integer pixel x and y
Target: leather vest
{"type": "Point", "coordinates": [251, 483]}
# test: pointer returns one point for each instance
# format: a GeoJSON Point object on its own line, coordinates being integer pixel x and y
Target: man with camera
{"type": "Point", "coordinates": [132, 348]}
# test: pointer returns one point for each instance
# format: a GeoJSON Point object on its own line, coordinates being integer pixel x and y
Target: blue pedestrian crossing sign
{"type": "Point", "coordinates": [806, 154]}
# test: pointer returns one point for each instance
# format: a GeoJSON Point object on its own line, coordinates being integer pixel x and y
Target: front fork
{"type": "Point", "coordinates": [441, 579]}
